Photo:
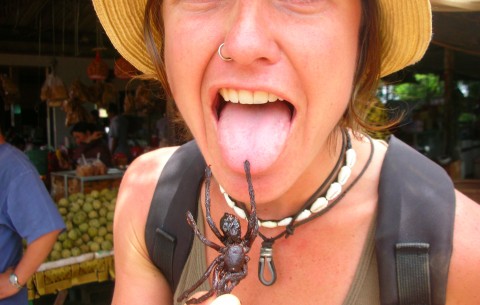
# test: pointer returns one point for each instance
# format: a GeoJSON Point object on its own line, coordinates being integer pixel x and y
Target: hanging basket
{"type": "Point", "coordinates": [9, 90]}
{"type": "Point", "coordinates": [8, 86]}
{"type": "Point", "coordinates": [79, 91]}
{"type": "Point", "coordinates": [75, 112]}
{"type": "Point", "coordinates": [98, 69]}
{"type": "Point", "coordinates": [123, 69]}
{"type": "Point", "coordinates": [53, 90]}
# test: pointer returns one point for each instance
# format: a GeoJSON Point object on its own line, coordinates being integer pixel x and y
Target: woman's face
{"type": "Point", "coordinates": [294, 59]}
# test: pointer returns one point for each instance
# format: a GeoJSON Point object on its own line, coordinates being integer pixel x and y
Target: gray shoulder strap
{"type": "Point", "coordinates": [414, 228]}
{"type": "Point", "coordinates": [167, 234]}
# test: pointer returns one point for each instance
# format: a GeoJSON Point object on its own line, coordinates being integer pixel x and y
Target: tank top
{"type": "Point", "coordinates": [364, 289]}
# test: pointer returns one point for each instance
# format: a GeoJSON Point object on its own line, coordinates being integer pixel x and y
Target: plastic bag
{"type": "Point", "coordinates": [53, 89]}
{"type": "Point", "coordinates": [75, 112]}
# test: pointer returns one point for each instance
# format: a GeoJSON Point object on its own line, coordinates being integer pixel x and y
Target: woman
{"type": "Point", "coordinates": [309, 67]}
{"type": "Point", "coordinates": [90, 144]}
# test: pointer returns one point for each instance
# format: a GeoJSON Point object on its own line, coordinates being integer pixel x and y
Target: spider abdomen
{"type": "Point", "coordinates": [234, 258]}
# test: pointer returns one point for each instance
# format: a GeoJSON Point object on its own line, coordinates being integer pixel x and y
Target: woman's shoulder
{"type": "Point", "coordinates": [131, 212]}
{"type": "Point", "coordinates": [465, 264]}
{"type": "Point", "coordinates": [142, 175]}
{"type": "Point", "coordinates": [138, 185]}
{"type": "Point", "coordinates": [157, 157]}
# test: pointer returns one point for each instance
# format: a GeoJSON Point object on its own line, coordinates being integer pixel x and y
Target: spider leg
{"type": "Point", "coordinates": [200, 236]}
{"type": "Point", "coordinates": [235, 278]}
{"type": "Point", "coordinates": [233, 284]}
{"type": "Point", "coordinates": [211, 223]}
{"type": "Point", "coordinates": [252, 229]}
{"type": "Point", "coordinates": [202, 298]}
{"type": "Point", "coordinates": [217, 278]}
{"type": "Point", "coordinates": [220, 281]}
{"type": "Point", "coordinates": [205, 276]}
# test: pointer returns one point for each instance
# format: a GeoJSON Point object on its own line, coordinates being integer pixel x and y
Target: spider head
{"type": "Point", "coordinates": [230, 227]}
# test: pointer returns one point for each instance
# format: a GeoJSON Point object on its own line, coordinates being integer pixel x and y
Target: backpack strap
{"type": "Point", "coordinates": [167, 234]}
{"type": "Point", "coordinates": [414, 233]}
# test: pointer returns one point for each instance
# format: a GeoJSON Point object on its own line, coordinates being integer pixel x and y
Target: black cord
{"type": "Point", "coordinates": [322, 187]}
{"type": "Point", "coordinates": [289, 231]}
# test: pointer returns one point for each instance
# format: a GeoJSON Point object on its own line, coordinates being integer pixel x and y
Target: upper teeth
{"type": "Point", "coordinates": [247, 97]}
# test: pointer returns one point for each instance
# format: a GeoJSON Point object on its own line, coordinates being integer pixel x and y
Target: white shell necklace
{"type": "Point", "coordinates": [267, 273]}
{"type": "Point", "coordinates": [319, 204]}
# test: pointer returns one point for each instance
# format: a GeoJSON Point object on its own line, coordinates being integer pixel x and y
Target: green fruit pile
{"type": "Point", "coordinates": [89, 224]}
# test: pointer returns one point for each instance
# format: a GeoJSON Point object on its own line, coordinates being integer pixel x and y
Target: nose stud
{"type": "Point", "coordinates": [220, 53]}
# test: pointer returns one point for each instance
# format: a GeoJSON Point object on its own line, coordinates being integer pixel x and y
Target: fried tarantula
{"type": "Point", "coordinates": [230, 266]}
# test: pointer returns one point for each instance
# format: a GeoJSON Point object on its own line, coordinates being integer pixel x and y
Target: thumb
{"type": "Point", "coordinates": [224, 299]}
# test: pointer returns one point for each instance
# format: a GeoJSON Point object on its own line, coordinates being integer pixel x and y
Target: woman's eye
{"type": "Point", "coordinates": [303, 6]}
{"type": "Point", "coordinates": [200, 4]}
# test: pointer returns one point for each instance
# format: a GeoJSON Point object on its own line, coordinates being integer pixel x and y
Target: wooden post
{"type": "Point", "coordinates": [61, 297]}
{"type": "Point", "coordinates": [450, 116]}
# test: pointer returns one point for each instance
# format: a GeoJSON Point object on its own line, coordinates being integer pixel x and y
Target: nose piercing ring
{"type": "Point", "coordinates": [220, 53]}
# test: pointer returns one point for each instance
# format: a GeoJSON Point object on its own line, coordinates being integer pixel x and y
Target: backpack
{"type": "Point", "coordinates": [413, 238]}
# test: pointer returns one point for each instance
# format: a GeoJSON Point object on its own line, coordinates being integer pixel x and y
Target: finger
{"type": "Point", "coordinates": [199, 294]}
{"type": "Point", "coordinates": [10, 269]}
{"type": "Point", "coordinates": [226, 299]}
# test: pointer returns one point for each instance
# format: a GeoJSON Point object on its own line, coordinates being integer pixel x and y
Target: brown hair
{"type": "Point", "coordinates": [366, 78]}
{"type": "Point", "coordinates": [154, 33]}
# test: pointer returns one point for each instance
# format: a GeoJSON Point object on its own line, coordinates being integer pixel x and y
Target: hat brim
{"type": "Point", "coordinates": [405, 30]}
{"type": "Point", "coordinates": [122, 20]}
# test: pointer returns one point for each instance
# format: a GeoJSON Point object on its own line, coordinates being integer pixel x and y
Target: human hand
{"type": "Point", "coordinates": [95, 135]}
{"type": "Point", "coordinates": [7, 289]}
{"type": "Point", "coordinates": [224, 299]}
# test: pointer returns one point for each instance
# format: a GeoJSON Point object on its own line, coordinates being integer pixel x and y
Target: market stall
{"type": "Point", "coordinates": [83, 253]}
{"type": "Point", "coordinates": [58, 276]}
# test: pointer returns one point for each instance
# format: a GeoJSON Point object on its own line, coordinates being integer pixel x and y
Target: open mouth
{"type": "Point", "coordinates": [252, 125]}
{"type": "Point", "coordinates": [246, 97]}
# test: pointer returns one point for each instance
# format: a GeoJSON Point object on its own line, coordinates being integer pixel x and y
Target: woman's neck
{"type": "Point", "coordinates": [293, 199]}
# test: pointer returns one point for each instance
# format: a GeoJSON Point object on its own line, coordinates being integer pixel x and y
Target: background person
{"type": "Point", "coordinates": [38, 155]}
{"type": "Point", "coordinates": [118, 132]}
{"type": "Point", "coordinates": [90, 143]}
{"type": "Point", "coordinates": [27, 212]}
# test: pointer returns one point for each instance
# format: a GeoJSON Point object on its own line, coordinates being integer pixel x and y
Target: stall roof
{"type": "Point", "coordinates": [70, 28]}
{"type": "Point", "coordinates": [455, 5]}
{"type": "Point", "coordinates": [456, 27]}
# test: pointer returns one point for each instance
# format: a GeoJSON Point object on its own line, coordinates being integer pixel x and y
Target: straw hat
{"type": "Point", "coordinates": [405, 29]}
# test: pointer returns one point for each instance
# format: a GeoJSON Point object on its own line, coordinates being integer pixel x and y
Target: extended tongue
{"type": "Point", "coordinates": [253, 132]}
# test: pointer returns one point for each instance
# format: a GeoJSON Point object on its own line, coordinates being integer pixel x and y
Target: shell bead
{"type": "Point", "coordinates": [344, 174]}
{"type": "Point", "coordinates": [240, 212]}
{"type": "Point", "coordinates": [268, 224]}
{"type": "Point", "coordinates": [319, 205]}
{"type": "Point", "coordinates": [285, 222]}
{"type": "Point", "coordinates": [334, 190]}
{"type": "Point", "coordinates": [304, 215]}
{"type": "Point", "coordinates": [351, 157]}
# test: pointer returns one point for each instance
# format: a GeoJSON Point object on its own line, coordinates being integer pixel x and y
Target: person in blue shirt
{"type": "Point", "coordinates": [118, 132]}
{"type": "Point", "coordinates": [28, 213]}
